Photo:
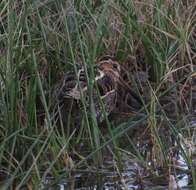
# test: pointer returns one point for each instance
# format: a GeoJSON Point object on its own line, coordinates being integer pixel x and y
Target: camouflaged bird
{"type": "Point", "coordinates": [75, 87]}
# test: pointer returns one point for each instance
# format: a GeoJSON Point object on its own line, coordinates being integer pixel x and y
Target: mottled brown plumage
{"type": "Point", "coordinates": [108, 87]}
{"type": "Point", "coordinates": [107, 76]}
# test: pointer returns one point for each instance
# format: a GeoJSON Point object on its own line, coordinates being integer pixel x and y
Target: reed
{"type": "Point", "coordinates": [41, 41]}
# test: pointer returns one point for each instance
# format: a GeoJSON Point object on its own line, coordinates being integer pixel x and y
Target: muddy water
{"type": "Point", "coordinates": [109, 178]}
{"type": "Point", "coordinates": [132, 176]}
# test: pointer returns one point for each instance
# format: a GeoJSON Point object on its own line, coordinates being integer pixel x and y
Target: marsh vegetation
{"type": "Point", "coordinates": [152, 146]}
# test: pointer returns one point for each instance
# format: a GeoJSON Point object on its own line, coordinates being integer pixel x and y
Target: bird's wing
{"type": "Point", "coordinates": [72, 85]}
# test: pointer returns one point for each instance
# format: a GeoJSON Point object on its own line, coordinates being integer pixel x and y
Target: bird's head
{"type": "Point", "coordinates": [110, 66]}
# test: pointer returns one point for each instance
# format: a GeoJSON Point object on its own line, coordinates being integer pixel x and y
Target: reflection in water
{"type": "Point", "coordinates": [182, 179]}
{"type": "Point", "coordinates": [61, 186]}
{"type": "Point", "coordinates": [108, 178]}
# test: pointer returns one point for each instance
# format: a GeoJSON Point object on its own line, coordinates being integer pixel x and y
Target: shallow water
{"type": "Point", "coordinates": [131, 176]}
{"type": "Point", "coordinates": [109, 178]}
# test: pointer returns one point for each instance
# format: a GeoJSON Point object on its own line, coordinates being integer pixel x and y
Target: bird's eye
{"type": "Point", "coordinates": [115, 66]}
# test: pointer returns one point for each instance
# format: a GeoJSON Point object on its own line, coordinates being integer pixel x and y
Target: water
{"type": "Point", "coordinates": [131, 176]}
{"type": "Point", "coordinates": [109, 178]}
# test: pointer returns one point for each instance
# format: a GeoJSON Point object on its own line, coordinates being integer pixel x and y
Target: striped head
{"type": "Point", "coordinates": [110, 67]}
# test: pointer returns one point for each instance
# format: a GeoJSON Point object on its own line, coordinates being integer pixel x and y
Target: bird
{"type": "Point", "coordinates": [104, 93]}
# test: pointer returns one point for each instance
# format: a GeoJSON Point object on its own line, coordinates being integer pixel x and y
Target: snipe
{"type": "Point", "coordinates": [110, 91]}
{"type": "Point", "coordinates": [75, 88]}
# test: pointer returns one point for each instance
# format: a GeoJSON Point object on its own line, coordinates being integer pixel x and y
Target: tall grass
{"type": "Point", "coordinates": [41, 41]}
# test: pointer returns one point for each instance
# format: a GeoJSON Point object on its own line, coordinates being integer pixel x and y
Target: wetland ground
{"type": "Point", "coordinates": [153, 147]}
